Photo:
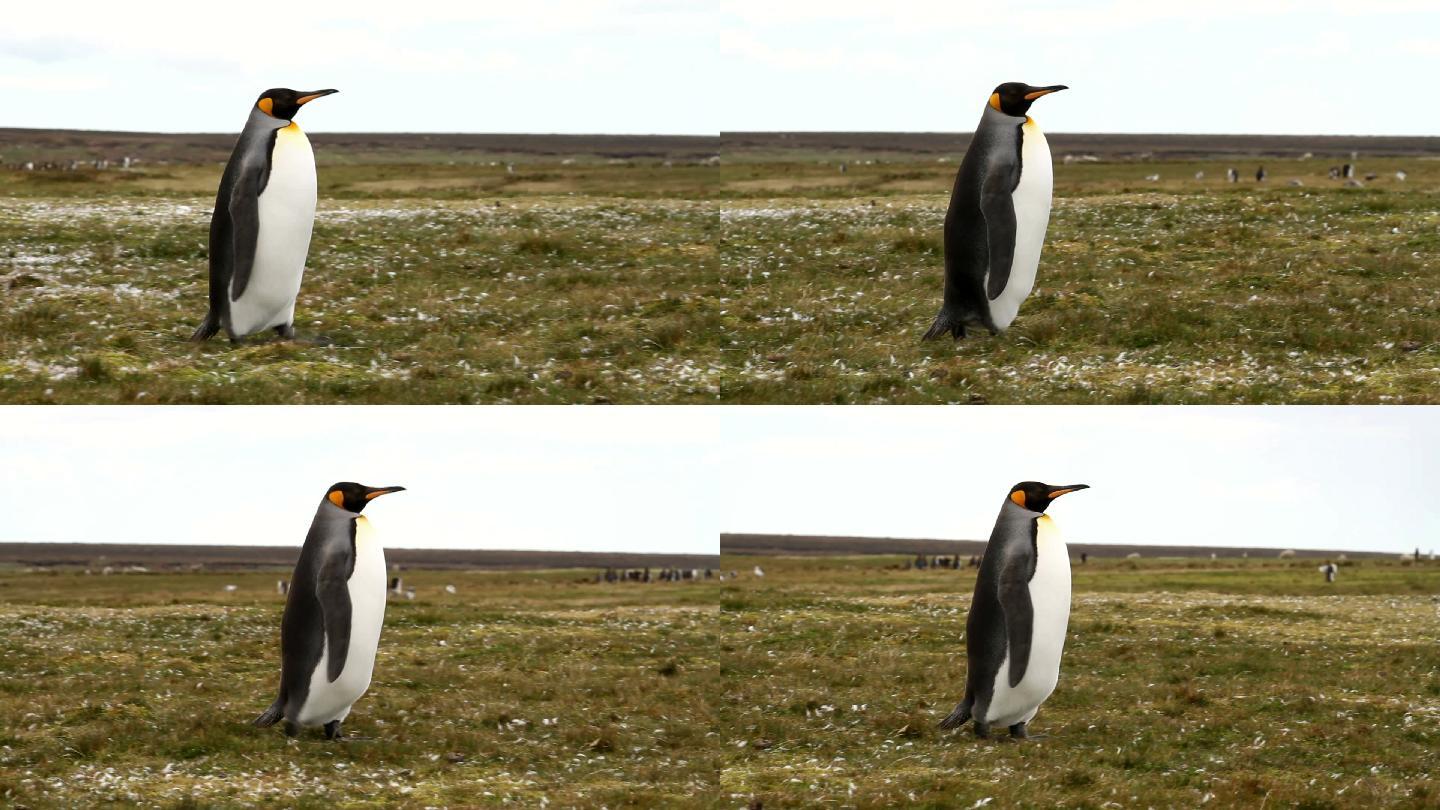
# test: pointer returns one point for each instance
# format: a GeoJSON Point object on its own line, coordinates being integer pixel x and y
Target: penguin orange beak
{"type": "Point", "coordinates": [1044, 91]}
{"type": "Point", "coordinates": [306, 98]}
{"type": "Point", "coordinates": [378, 491]}
{"type": "Point", "coordinates": [1058, 491]}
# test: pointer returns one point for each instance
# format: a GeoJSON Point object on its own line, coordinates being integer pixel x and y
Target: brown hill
{"type": "Point", "coordinates": [818, 545]}
{"type": "Point", "coordinates": [1106, 146]}
{"type": "Point", "coordinates": [161, 557]}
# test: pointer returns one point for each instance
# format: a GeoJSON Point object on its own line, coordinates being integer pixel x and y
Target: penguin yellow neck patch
{"type": "Point", "coordinates": [266, 106]}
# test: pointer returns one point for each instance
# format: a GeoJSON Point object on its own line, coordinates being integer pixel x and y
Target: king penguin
{"type": "Point", "coordinates": [260, 231]}
{"type": "Point", "coordinates": [999, 210]}
{"type": "Point", "coordinates": [336, 605]}
{"type": "Point", "coordinates": [1018, 617]}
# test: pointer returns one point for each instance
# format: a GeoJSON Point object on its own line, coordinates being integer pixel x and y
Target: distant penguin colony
{"type": "Point", "coordinates": [333, 614]}
{"type": "Point", "coordinates": [999, 210]}
{"type": "Point", "coordinates": [1015, 632]}
{"type": "Point", "coordinates": [260, 231]}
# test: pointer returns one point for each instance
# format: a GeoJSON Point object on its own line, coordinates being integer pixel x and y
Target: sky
{"type": "Point", "coordinates": [1340, 478]}
{"type": "Point", "coordinates": [671, 479]}
{"type": "Point", "coordinates": [687, 67]}
{"type": "Point", "coordinates": [565, 479]}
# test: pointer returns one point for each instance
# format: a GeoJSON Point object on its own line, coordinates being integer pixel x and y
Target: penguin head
{"type": "Point", "coordinates": [1036, 497]}
{"type": "Point", "coordinates": [1015, 98]}
{"type": "Point", "coordinates": [283, 103]}
{"type": "Point", "coordinates": [352, 497]}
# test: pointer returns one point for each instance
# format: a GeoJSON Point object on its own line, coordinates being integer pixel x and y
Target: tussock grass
{"type": "Point", "coordinates": [1184, 683]}
{"type": "Point", "coordinates": [137, 689]}
{"type": "Point", "coordinates": [754, 282]}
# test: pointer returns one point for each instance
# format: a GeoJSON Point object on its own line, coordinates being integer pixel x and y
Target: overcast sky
{"type": "Point", "coordinates": [672, 478]}
{"type": "Point", "coordinates": [1246, 66]}
{"type": "Point", "coordinates": [614, 66]}
{"type": "Point", "coordinates": [572, 479]}
{"type": "Point", "coordinates": [1297, 477]}
{"type": "Point", "coordinates": [680, 66]}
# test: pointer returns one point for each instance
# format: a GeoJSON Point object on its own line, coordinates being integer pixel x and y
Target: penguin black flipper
{"type": "Point", "coordinates": [998, 207]}
{"type": "Point", "coordinates": [333, 591]}
{"type": "Point", "coordinates": [244, 210]}
{"type": "Point", "coordinates": [234, 233]}
{"type": "Point", "coordinates": [1015, 575]}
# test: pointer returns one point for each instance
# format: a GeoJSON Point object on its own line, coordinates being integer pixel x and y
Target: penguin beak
{"type": "Point", "coordinates": [378, 491]}
{"type": "Point", "coordinates": [306, 98]}
{"type": "Point", "coordinates": [1044, 91]}
{"type": "Point", "coordinates": [1056, 492]}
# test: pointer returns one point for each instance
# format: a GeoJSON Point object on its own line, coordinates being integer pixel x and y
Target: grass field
{"type": "Point", "coordinates": [778, 280]}
{"type": "Point", "coordinates": [524, 688]}
{"type": "Point", "coordinates": [1184, 684]}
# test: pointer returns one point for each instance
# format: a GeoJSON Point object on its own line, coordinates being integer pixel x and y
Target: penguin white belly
{"type": "Point", "coordinates": [329, 700]}
{"type": "Point", "coordinates": [1050, 603]}
{"type": "Point", "coordinates": [287, 215]}
{"type": "Point", "coordinates": [1032, 215]}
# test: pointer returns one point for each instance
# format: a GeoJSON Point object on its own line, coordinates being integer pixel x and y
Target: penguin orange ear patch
{"type": "Point", "coordinates": [994, 100]}
{"type": "Point", "coordinates": [337, 497]}
{"type": "Point", "coordinates": [266, 106]}
{"type": "Point", "coordinates": [1018, 497]}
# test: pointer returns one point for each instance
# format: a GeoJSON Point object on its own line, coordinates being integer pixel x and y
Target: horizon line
{"type": "Point", "coordinates": [723, 133]}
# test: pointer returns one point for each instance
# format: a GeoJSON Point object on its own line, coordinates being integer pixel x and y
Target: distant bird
{"type": "Point", "coordinates": [396, 586]}
{"type": "Point", "coordinates": [1401, 176]}
{"type": "Point", "coordinates": [336, 606]}
{"type": "Point", "coordinates": [1334, 172]}
{"type": "Point", "coordinates": [1371, 175]}
{"type": "Point", "coordinates": [1232, 174]}
{"type": "Point", "coordinates": [1329, 569]}
{"type": "Point", "coordinates": [1015, 632]}
{"type": "Point", "coordinates": [1200, 175]}
{"type": "Point", "coordinates": [758, 572]}
{"type": "Point", "coordinates": [260, 231]}
{"type": "Point", "coordinates": [282, 587]}
{"type": "Point", "coordinates": [450, 589]}
{"type": "Point", "coordinates": [1348, 171]}
{"type": "Point", "coordinates": [1297, 182]}
{"type": "Point", "coordinates": [1152, 177]}
{"type": "Point", "coordinates": [231, 588]}
{"type": "Point", "coordinates": [410, 594]}
{"type": "Point", "coordinates": [1260, 175]}
{"type": "Point", "coordinates": [999, 210]}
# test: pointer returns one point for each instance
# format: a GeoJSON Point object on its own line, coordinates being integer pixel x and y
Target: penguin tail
{"type": "Point", "coordinates": [272, 715]}
{"type": "Point", "coordinates": [207, 328]}
{"type": "Point", "coordinates": [948, 321]}
{"type": "Point", "coordinates": [957, 718]}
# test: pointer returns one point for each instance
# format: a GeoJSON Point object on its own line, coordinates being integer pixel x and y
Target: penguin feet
{"type": "Point", "coordinates": [291, 730]}
{"type": "Point", "coordinates": [332, 730]}
{"type": "Point", "coordinates": [1020, 732]}
{"type": "Point", "coordinates": [286, 331]}
{"type": "Point", "coordinates": [982, 730]}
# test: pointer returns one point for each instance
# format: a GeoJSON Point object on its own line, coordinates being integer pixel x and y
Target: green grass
{"type": "Point", "coordinates": [751, 282]}
{"type": "Point", "coordinates": [522, 688]}
{"type": "Point", "coordinates": [1184, 683]}
{"type": "Point", "coordinates": [1246, 681]}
